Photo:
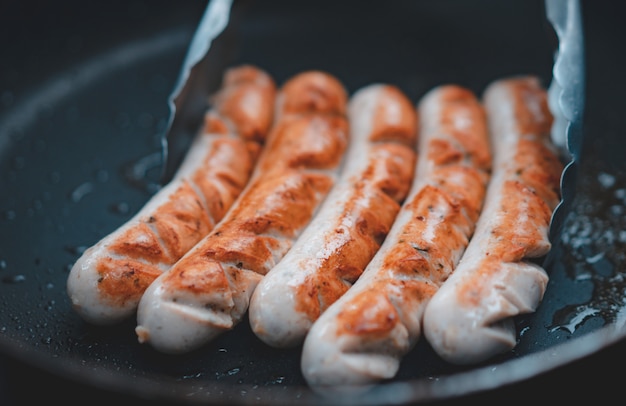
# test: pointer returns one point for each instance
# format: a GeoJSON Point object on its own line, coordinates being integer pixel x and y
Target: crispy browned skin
{"type": "Point", "coordinates": [444, 212]}
{"type": "Point", "coordinates": [144, 250]}
{"type": "Point", "coordinates": [296, 169]}
{"type": "Point", "coordinates": [362, 337]}
{"type": "Point", "coordinates": [140, 253]}
{"type": "Point", "coordinates": [471, 317]}
{"type": "Point", "coordinates": [289, 183]}
{"type": "Point", "coordinates": [353, 221]}
{"type": "Point", "coordinates": [312, 92]}
{"type": "Point", "coordinates": [530, 192]}
{"type": "Point", "coordinates": [374, 205]}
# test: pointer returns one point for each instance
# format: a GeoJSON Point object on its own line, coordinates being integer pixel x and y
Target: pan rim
{"type": "Point", "coordinates": [423, 389]}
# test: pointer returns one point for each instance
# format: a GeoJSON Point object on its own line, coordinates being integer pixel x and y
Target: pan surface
{"type": "Point", "coordinates": [83, 100]}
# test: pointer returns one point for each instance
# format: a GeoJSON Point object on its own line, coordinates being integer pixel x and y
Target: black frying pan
{"type": "Point", "coordinates": [83, 100]}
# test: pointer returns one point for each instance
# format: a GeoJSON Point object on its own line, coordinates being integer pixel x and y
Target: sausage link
{"type": "Point", "coordinates": [352, 223]}
{"type": "Point", "coordinates": [208, 291]}
{"type": "Point", "coordinates": [107, 281]}
{"type": "Point", "coordinates": [470, 319]}
{"type": "Point", "coordinates": [361, 338]}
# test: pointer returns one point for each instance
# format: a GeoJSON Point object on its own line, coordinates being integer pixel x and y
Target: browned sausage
{"type": "Point", "coordinates": [362, 337]}
{"type": "Point", "coordinates": [107, 281]}
{"type": "Point", "coordinates": [207, 292]}
{"type": "Point", "coordinates": [471, 317]}
{"type": "Point", "coordinates": [352, 223]}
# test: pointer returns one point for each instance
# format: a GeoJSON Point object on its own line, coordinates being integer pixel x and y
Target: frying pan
{"type": "Point", "coordinates": [83, 99]}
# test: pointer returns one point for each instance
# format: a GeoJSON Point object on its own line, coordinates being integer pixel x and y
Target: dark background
{"type": "Point", "coordinates": [40, 40]}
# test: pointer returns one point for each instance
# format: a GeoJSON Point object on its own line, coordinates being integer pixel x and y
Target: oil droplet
{"type": "Point", "coordinates": [14, 279]}
{"type": "Point", "coordinates": [120, 208]}
{"type": "Point", "coordinates": [607, 180]}
{"type": "Point", "coordinates": [523, 331]}
{"type": "Point", "coordinates": [570, 317]}
{"type": "Point", "coordinates": [593, 243]}
{"type": "Point", "coordinates": [276, 380]}
{"type": "Point", "coordinates": [137, 172]}
{"type": "Point", "coordinates": [193, 376]}
{"type": "Point", "coordinates": [620, 320]}
{"type": "Point", "coordinates": [230, 372]}
{"type": "Point", "coordinates": [81, 191]}
{"type": "Point", "coordinates": [595, 258]}
{"type": "Point", "coordinates": [78, 250]}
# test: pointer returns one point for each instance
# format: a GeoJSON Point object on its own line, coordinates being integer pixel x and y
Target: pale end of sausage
{"type": "Point", "coordinates": [362, 337]}
{"type": "Point", "coordinates": [471, 318]}
{"type": "Point", "coordinates": [106, 283]}
{"type": "Point", "coordinates": [207, 292]}
{"type": "Point", "coordinates": [336, 246]}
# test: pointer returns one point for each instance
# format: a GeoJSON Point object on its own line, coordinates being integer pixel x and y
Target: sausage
{"type": "Point", "coordinates": [207, 292]}
{"type": "Point", "coordinates": [356, 216]}
{"type": "Point", "coordinates": [361, 338]}
{"type": "Point", "coordinates": [470, 319]}
{"type": "Point", "coordinates": [107, 281]}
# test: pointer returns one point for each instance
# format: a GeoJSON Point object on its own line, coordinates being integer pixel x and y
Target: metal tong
{"type": "Point", "coordinates": [206, 60]}
{"type": "Point", "coordinates": [198, 78]}
{"type": "Point", "coordinates": [566, 98]}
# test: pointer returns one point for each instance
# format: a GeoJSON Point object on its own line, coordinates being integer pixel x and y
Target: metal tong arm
{"type": "Point", "coordinates": [188, 99]}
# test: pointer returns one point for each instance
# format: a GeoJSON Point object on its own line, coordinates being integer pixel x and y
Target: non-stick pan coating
{"type": "Point", "coordinates": [83, 100]}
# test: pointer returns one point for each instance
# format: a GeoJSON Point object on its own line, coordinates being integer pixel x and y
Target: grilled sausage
{"type": "Point", "coordinates": [361, 338]}
{"type": "Point", "coordinates": [356, 216]}
{"type": "Point", "coordinates": [470, 318]}
{"type": "Point", "coordinates": [107, 281]}
{"type": "Point", "coordinates": [207, 292]}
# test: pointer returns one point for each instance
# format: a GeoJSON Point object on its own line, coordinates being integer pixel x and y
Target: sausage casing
{"type": "Point", "coordinates": [107, 281]}
{"type": "Point", "coordinates": [208, 290]}
{"type": "Point", "coordinates": [361, 338]}
{"type": "Point", "coordinates": [356, 216]}
{"type": "Point", "coordinates": [471, 317]}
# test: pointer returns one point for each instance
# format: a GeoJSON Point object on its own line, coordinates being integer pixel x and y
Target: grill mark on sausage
{"type": "Point", "coordinates": [335, 248]}
{"type": "Point", "coordinates": [295, 171]}
{"type": "Point", "coordinates": [361, 338]}
{"type": "Point", "coordinates": [470, 318]}
{"type": "Point", "coordinates": [185, 210]}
